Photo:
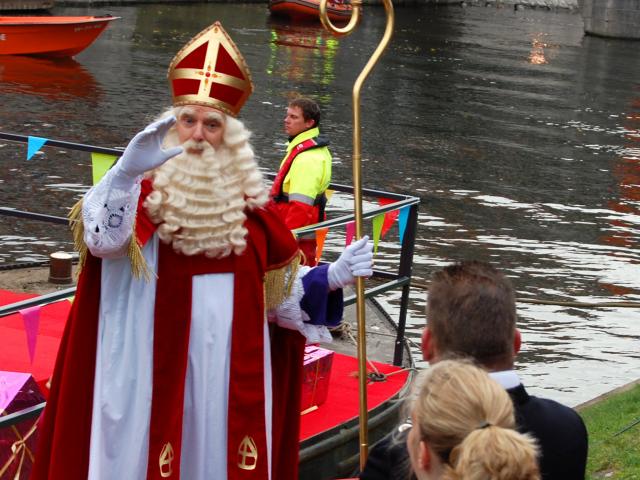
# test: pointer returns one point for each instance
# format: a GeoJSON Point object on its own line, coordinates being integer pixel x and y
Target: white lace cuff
{"type": "Point", "coordinates": [108, 214]}
{"type": "Point", "coordinates": [290, 315]}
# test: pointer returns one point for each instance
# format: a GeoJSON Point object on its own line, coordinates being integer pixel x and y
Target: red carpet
{"type": "Point", "coordinates": [342, 399]}
{"type": "Point", "coordinates": [14, 353]}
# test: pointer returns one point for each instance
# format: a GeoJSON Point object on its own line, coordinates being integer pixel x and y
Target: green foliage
{"type": "Point", "coordinates": [614, 454]}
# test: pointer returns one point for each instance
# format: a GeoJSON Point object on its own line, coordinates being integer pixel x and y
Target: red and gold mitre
{"type": "Point", "coordinates": [210, 71]}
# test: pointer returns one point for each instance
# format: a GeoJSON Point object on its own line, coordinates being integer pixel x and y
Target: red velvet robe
{"type": "Point", "coordinates": [63, 450]}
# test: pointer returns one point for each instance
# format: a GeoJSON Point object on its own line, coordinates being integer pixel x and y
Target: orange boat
{"type": "Point", "coordinates": [49, 36]}
{"type": "Point", "coordinates": [305, 10]}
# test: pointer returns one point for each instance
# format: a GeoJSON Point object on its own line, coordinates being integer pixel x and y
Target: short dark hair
{"type": "Point", "coordinates": [310, 109]}
{"type": "Point", "coordinates": [471, 311]}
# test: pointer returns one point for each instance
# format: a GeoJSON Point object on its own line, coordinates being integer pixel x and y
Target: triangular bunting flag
{"type": "Point", "coordinates": [71, 299]}
{"type": "Point", "coordinates": [402, 222]}
{"type": "Point", "coordinates": [389, 217]}
{"type": "Point", "coordinates": [350, 232]}
{"type": "Point", "coordinates": [320, 237]}
{"type": "Point", "coordinates": [33, 145]}
{"type": "Point", "coordinates": [329, 193]}
{"type": "Point", "coordinates": [378, 220]}
{"type": "Point", "coordinates": [31, 320]}
{"type": "Point", "coordinates": [100, 163]}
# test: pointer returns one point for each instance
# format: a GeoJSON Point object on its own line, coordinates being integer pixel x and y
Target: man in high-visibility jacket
{"type": "Point", "coordinates": [304, 175]}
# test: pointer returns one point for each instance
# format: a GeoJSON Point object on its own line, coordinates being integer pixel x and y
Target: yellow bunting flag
{"type": "Point", "coordinates": [320, 237]}
{"type": "Point", "coordinates": [71, 298]}
{"type": "Point", "coordinates": [100, 163]}
{"type": "Point", "coordinates": [378, 221]}
{"type": "Point", "coordinates": [329, 193]}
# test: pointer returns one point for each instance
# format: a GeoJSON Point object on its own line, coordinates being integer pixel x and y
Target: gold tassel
{"type": "Point", "coordinates": [278, 283]}
{"type": "Point", "coordinates": [139, 267]}
{"type": "Point", "coordinates": [77, 230]}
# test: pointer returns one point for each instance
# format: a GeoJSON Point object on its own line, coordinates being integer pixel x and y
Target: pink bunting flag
{"type": "Point", "coordinates": [350, 233]}
{"type": "Point", "coordinates": [389, 217]}
{"type": "Point", "coordinates": [31, 320]}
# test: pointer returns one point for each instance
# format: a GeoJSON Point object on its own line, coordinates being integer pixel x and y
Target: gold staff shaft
{"type": "Point", "coordinates": [357, 191]}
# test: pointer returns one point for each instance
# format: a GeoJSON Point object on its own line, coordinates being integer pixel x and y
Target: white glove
{"type": "Point", "coordinates": [355, 261]}
{"type": "Point", "coordinates": [144, 153]}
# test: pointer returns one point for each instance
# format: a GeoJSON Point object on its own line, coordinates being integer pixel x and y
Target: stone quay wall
{"type": "Point", "coordinates": [612, 18]}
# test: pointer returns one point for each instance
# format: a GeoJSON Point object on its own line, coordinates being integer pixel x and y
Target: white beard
{"type": "Point", "coordinates": [199, 201]}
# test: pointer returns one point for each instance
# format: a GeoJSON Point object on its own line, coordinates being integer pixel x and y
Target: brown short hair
{"type": "Point", "coordinates": [471, 311]}
{"type": "Point", "coordinates": [310, 109]}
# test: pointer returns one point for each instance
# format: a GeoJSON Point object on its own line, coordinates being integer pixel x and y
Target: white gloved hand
{"type": "Point", "coordinates": [355, 261]}
{"type": "Point", "coordinates": [144, 153]}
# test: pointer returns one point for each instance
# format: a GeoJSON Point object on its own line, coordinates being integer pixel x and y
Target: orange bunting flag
{"type": "Point", "coordinates": [389, 217]}
{"type": "Point", "coordinates": [378, 220]}
{"type": "Point", "coordinates": [320, 237]}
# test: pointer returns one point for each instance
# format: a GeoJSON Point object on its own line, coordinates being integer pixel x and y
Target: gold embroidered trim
{"type": "Point", "coordinates": [279, 282]}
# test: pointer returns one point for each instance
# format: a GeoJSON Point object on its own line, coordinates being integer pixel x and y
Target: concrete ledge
{"type": "Point", "coordinates": [605, 396]}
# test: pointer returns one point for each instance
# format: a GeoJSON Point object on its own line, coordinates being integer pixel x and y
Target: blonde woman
{"type": "Point", "coordinates": [463, 428]}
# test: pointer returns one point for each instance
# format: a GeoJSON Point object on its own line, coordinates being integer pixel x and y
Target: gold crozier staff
{"type": "Point", "coordinates": [357, 192]}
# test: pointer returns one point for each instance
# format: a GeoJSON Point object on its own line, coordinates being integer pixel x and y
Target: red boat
{"type": "Point", "coordinates": [305, 10]}
{"type": "Point", "coordinates": [50, 36]}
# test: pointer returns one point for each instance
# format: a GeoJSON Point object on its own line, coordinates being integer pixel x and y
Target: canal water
{"type": "Point", "coordinates": [520, 135]}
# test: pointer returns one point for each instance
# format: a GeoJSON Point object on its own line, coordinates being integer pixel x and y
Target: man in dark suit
{"type": "Point", "coordinates": [471, 312]}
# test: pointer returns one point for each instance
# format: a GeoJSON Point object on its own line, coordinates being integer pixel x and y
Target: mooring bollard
{"type": "Point", "coordinates": [60, 268]}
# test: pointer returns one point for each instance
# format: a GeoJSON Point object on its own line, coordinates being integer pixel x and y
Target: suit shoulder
{"type": "Point", "coordinates": [555, 409]}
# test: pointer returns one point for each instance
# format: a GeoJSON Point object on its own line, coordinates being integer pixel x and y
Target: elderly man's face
{"type": "Point", "coordinates": [200, 124]}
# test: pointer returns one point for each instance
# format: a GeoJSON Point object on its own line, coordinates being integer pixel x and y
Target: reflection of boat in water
{"type": "Point", "coordinates": [329, 431]}
{"type": "Point", "coordinates": [50, 36]}
{"type": "Point", "coordinates": [295, 35]}
{"type": "Point", "coordinates": [301, 52]}
{"type": "Point", "coordinates": [309, 9]}
{"type": "Point", "coordinates": [56, 78]}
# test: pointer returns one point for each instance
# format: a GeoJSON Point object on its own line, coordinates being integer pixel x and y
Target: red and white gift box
{"type": "Point", "coordinates": [18, 391]}
{"type": "Point", "coordinates": [317, 371]}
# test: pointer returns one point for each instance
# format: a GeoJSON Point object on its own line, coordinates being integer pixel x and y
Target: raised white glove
{"type": "Point", "coordinates": [144, 153]}
{"type": "Point", "coordinates": [355, 261]}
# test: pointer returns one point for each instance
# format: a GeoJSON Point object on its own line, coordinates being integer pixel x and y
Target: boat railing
{"type": "Point", "coordinates": [401, 278]}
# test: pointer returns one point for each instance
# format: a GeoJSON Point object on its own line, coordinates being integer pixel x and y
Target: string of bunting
{"type": "Point", "coordinates": [381, 225]}
{"type": "Point", "coordinates": [100, 162]}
